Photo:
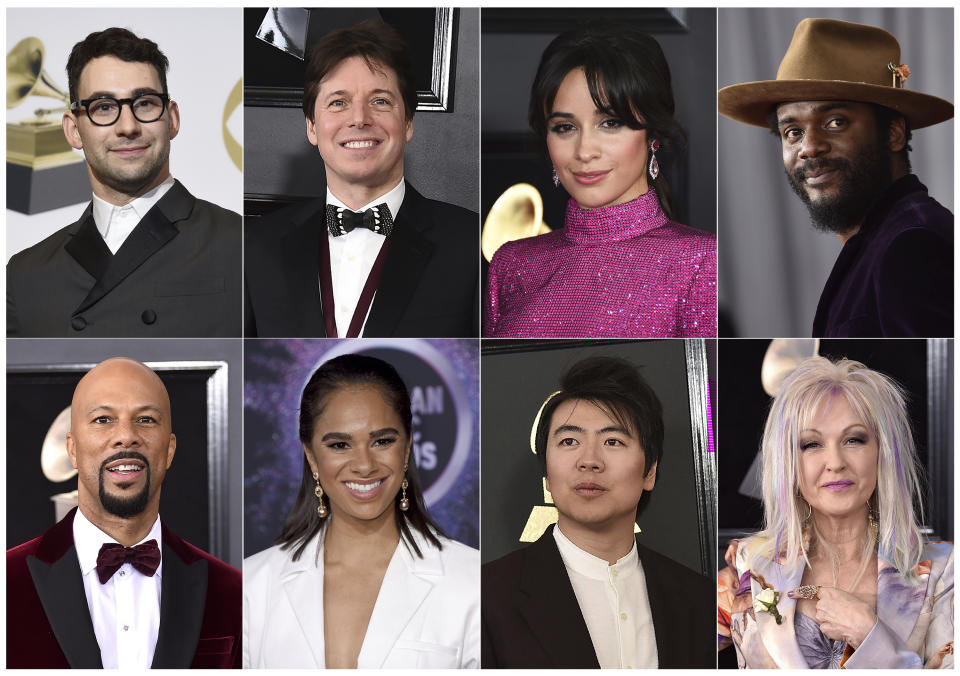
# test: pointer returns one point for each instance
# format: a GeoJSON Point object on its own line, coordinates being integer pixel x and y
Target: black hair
{"type": "Point", "coordinates": [884, 118]}
{"type": "Point", "coordinates": [616, 386]}
{"type": "Point", "coordinates": [117, 42]}
{"type": "Point", "coordinates": [303, 523]}
{"type": "Point", "coordinates": [627, 75]}
{"type": "Point", "coordinates": [378, 43]}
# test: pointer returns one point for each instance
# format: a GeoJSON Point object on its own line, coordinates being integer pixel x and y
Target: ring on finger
{"type": "Point", "coordinates": [808, 591]}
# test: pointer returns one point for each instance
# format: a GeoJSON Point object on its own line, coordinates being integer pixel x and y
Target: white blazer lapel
{"type": "Point", "coordinates": [406, 584]}
{"type": "Point", "coordinates": [780, 640]}
{"type": "Point", "coordinates": [303, 585]}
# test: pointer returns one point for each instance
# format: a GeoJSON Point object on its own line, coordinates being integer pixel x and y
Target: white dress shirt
{"type": "Point", "coordinates": [126, 610]}
{"type": "Point", "coordinates": [615, 606]}
{"type": "Point", "coordinates": [116, 223]}
{"type": "Point", "coordinates": [352, 257]}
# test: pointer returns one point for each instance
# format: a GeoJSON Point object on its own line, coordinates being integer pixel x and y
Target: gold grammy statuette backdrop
{"type": "Point", "coordinates": [43, 171]}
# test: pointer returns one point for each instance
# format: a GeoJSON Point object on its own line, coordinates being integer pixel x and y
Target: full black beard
{"type": "Point", "coordinates": [860, 185]}
{"type": "Point", "coordinates": [127, 506]}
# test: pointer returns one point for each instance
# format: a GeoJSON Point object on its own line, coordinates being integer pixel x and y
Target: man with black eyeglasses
{"type": "Point", "coordinates": [146, 258]}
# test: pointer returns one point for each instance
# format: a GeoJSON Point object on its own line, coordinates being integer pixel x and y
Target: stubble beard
{"type": "Point", "coordinates": [126, 506]}
{"type": "Point", "coordinates": [861, 184]}
{"type": "Point", "coordinates": [129, 180]}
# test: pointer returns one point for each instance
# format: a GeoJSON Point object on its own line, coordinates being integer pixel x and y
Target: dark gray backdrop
{"type": "Point", "coordinates": [515, 385]}
{"type": "Point", "coordinates": [90, 350]}
{"type": "Point", "coordinates": [441, 160]}
{"type": "Point", "coordinates": [688, 39]}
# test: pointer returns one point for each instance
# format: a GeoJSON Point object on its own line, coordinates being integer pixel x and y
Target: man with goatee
{"type": "Point", "coordinates": [110, 585]}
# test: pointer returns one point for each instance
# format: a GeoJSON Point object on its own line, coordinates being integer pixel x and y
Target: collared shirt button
{"type": "Point", "coordinates": [126, 627]}
{"type": "Point", "coordinates": [122, 573]}
{"type": "Point", "coordinates": [623, 616]}
{"type": "Point", "coordinates": [613, 573]}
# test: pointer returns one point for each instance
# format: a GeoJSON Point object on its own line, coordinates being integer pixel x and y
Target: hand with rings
{"type": "Point", "coordinates": [807, 591]}
{"type": "Point", "coordinates": [841, 615]}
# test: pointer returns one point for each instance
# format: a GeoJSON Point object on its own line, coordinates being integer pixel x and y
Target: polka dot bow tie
{"type": "Point", "coordinates": [376, 219]}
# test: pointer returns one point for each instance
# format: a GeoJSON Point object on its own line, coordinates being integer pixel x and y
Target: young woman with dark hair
{"type": "Point", "coordinates": [620, 267]}
{"type": "Point", "coordinates": [361, 576]}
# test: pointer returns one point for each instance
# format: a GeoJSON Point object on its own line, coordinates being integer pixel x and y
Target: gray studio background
{"type": "Point", "coordinates": [773, 264]}
{"type": "Point", "coordinates": [69, 351]}
{"type": "Point", "coordinates": [510, 63]}
{"type": "Point", "coordinates": [441, 159]}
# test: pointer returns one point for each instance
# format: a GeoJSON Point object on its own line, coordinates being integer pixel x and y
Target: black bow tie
{"type": "Point", "coordinates": [376, 219]}
{"type": "Point", "coordinates": [144, 557]}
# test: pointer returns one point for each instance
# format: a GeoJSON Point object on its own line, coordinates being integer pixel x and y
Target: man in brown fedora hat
{"type": "Point", "coordinates": [844, 120]}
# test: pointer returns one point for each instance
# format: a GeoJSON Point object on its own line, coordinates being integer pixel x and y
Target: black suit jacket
{"type": "Point", "coordinates": [178, 274]}
{"type": "Point", "coordinates": [49, 625]}
{"type": "Point", "coordinates": [429, 286]}
{"type": "Point", "coordinates": [531, 618]}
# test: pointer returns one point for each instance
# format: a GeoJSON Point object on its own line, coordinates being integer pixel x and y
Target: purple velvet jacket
{"type": "Point", "coordinates": [624, 271]}
{"type": "Point", "coordinates": [49, 625]}
{"type": "Point", "coordinates": [895, 276]}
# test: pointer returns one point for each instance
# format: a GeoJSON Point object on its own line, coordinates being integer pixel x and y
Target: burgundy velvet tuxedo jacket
{"type": "Point", "coordinates": [531, 617]}
{"type": "Point", "coordinates": [49, 625]}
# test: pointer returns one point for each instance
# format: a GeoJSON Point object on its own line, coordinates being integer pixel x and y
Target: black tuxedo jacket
{"type": "Point", "coordinates": [178, 274]}
{"type": "Point", "coordinates": [531, 618]}
{"type": "Point", "coordinates": [429, 286]}
{"type": "Point", "coordinates": [49, 625]}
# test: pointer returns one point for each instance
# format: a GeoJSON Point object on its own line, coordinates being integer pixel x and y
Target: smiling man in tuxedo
{"type": "Point", "coordinates": [109, 585]}
{"type": "Point", "coordinates": [374, 258]}
{"type": "Point", "coordinates": [586, 594]}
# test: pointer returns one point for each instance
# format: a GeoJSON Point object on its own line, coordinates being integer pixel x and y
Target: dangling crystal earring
{"type": "Point", "coordinates": [874, 524]}
{"type": "Point", "coordinates": [806, 519]}
{"type": "Point", "coordinates": [322, 510]}
{"type": "Point", "coordinates": [556, 179]}
{"type": "Point", "coordinates": [404, 485]}
{"type": "Point", "coordinates": [654, 165]}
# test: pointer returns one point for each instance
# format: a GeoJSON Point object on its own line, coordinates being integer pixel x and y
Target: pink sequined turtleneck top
{"type": "Point", "coordinates": [619, 271]}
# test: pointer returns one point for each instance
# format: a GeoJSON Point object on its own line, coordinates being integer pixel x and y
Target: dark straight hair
{"type": "Point", "coordinates": [303, 523]}
{"type": "Point", "coordinates": [377, 43]}
{"type": "Point", "coordinates": [628, 77]}
{"type": "Point", "coordinates": [616, 386]}
{"type": "Point", "coordinates": [117, 42]}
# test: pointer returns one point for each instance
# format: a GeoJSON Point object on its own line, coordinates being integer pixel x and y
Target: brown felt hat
{"type": "Point", "coordinates": [830, 60]}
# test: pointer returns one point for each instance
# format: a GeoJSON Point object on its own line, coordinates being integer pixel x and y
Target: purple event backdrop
{"type": "Point", "coordinates": [443, 376]}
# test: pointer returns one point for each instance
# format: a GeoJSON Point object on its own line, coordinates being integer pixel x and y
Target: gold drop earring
{"type": "Point", "coordinates": [322, 510]}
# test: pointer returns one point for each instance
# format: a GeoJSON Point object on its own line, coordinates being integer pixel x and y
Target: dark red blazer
{"type": "Point", "coordinates": [49, 625]}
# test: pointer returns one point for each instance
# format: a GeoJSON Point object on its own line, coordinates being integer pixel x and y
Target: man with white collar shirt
{"type": "Point", "coordinates": [373, 258]}
{"type": "Point", "coordinates": [587, 594]}
{"type": "Point", "coordinates": [110, 585]}
{"type": "Point", "coordinates": [146, 259]}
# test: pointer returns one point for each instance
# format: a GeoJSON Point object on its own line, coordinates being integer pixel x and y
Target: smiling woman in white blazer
{"type": "Point", "coordinates": [361, 576]}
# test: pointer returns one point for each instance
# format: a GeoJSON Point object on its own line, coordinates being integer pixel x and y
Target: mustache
{"type": "Point", "coordinates": [817, 165]}
{"type": "Point", "coordinates": [122, 455]}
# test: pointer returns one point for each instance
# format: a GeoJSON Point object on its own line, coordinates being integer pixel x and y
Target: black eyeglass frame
{"type": "Point", "coordinates": [85, 104]}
